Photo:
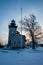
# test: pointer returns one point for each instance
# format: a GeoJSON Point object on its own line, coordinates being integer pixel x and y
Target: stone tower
{"type": "Point", "coordinates": [12, 32]}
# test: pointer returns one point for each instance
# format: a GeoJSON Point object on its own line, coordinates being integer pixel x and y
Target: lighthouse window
{"type": "Point", "coordinates": [18, 41]}
{"type": "Point", "coordinates": [14, 42]}
{"type": "Point", "coordinates": [12, 32]}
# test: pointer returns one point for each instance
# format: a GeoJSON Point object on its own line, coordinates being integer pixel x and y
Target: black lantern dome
{"type": "Point", "coordinates": [13, 24]}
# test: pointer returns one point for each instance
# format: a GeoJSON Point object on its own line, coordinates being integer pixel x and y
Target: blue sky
{"type": "Point", "coordinates": [10, 9]}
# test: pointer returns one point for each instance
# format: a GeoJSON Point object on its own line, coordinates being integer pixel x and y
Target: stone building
{"type": "Point", "coordinates": [14, 39]}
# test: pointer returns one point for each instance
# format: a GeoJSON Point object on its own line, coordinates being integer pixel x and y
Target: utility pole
{"type": "Point", "coordinates": [21, 27]}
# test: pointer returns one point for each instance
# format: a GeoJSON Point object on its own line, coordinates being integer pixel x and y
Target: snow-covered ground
{"type": "Point", "coordinates": [21, 57]}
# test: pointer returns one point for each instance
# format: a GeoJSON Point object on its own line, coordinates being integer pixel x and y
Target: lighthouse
{"type": "Point", "coordinates": [14, 38]}
{"type": "Point", "coordinates": [12, 32]}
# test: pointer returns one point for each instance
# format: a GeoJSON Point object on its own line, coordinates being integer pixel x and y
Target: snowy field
{"type": "Point", "coordinates": [21, 57]}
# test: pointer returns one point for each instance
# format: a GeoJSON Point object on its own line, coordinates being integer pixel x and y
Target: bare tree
{"type": "Point", "coordinates": [32, 27]}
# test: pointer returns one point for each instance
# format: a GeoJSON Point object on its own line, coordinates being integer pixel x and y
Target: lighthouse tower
{"type": "Point", "coordinates": [12, 32]}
